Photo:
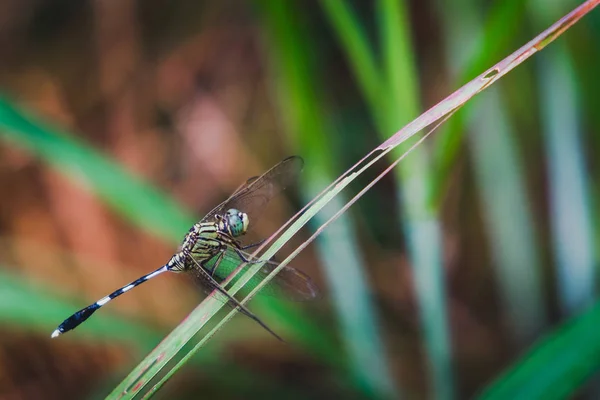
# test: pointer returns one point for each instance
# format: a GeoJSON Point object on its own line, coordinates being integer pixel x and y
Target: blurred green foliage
{"type": "Point", "coordinates": [444, 276]}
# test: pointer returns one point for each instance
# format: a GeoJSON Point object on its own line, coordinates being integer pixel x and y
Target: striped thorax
{"type": "Point", "coordinates": [207, 239]}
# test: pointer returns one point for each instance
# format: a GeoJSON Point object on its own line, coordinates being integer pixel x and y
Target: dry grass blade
{"type": "Point", "coordinates": [143, 374]}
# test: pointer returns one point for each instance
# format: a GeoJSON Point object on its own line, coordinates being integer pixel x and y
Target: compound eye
{"type": "Point", "coordinates": [235, 222]}
{"type": "Point", "coordinates": [245, 221]}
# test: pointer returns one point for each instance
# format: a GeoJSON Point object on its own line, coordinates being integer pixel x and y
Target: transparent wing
{"type": "Point", "coordinates": [253, 195]}
{"type": "Point", "coordinates": [289, 283]}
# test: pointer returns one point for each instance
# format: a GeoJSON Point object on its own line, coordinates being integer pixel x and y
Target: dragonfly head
{"type": "Point", "coordinates": [236, 222]}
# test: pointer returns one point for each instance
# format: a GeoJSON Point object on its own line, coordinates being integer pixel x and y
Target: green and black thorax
{"type": "Point", "coordinates": [205, 240]}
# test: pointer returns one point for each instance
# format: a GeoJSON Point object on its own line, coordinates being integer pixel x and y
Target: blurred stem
{"type": "Point", "coordinates": [393, 106]}
{"type": "Point", "coordinates": [135, 200]}
{"type": "Point", "coordinates": [466, 41]}
{"type": "Point", "coordinates": [307, 125]}
{"type": "Point", "coordinates": [507, 213]}
{"type": "Point", "coordinates": [359, 51]}
{"type": "Point", "coordinates": [499, 175]}
{"type": "Point", "coordinates": [570, 217]}
{"type": "Point", "coordinates": [400, 71]}
{"type": "Point", "coordinates": [556, 366]}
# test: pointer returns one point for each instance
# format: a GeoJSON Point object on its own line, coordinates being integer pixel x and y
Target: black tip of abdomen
{"type": "Point", "coordinates": [76, 319]}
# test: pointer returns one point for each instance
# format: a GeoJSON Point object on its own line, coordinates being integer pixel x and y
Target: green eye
{"type": "Point", "coordinates": [237, 221]}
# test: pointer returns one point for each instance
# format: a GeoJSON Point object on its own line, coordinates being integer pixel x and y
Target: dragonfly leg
{"type": "Point", "coordinates": [244, 258]}
{"type": "Point", "coordinates": [242, 308]}
{"type": "Point", "coordinates": [217, 263]}
{"type": "Point", "coordinates": [253, 245]}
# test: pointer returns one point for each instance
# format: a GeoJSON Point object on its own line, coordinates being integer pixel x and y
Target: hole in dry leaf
{"type": "Point", "coordinates": [491, 74]}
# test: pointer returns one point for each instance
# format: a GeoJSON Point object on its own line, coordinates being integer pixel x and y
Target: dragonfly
{"type": "Point", "coordinates": [214, 247]}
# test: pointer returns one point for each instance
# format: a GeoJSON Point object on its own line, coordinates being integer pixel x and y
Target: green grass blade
{"type": "Point", "coordinates": [510, 225]}
{"type": "Point", "coordinates": [570, 214]}
{"type": "Point", "coordinates": [357, 45]}
{"type": "Point", "coordinates": [188, 328]}
{"type": "Point", "coordinates": [395, 104]}
{"type": "Point", "coordinates": [302, 108]}
{"type": "Point", "coordinates": [505, 207]}
{"type": "Point", "coordinates": [141, 375]}
{"type": "Point", "coordinates": [555, 367]}
{"type": "Point", "coordinates": [157, 357]}
{"type": "Point", "coordinates": [500, 29]}
{"type": "Point", "coordinates": [419, 215]}
{"type": "Point", "coordinates": [400, 75]}
{"type": "Point", "coordinates": [125, 193]}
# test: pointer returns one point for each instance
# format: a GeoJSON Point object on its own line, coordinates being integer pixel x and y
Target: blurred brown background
{"type": "Point", "coordinates": [434, 283]}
